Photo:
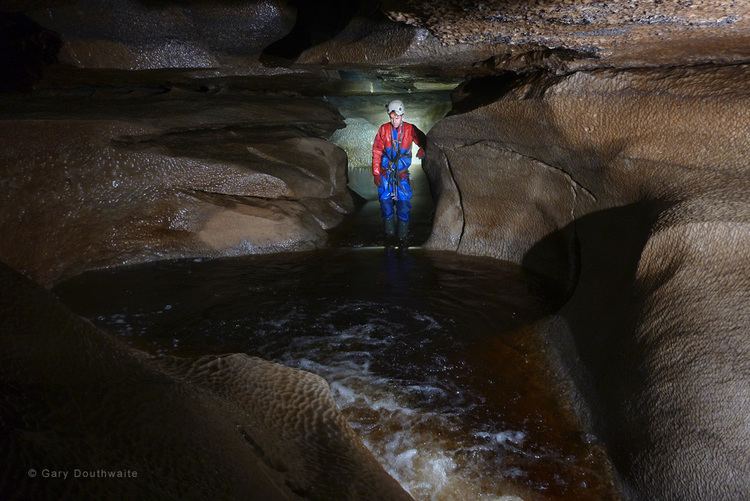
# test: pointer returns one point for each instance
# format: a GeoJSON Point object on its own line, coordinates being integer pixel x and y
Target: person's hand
{"type": "Point", "coordinates": [377, 181]}
{"type": "Point", "coordinates": [420, 153]}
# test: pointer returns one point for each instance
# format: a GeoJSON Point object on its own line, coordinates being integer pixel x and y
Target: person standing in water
{"type": "Point", "coordinates": [391, 158]}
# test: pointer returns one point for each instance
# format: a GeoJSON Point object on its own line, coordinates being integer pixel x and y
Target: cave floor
{"type": "Point", "coordinates": [428, 354]}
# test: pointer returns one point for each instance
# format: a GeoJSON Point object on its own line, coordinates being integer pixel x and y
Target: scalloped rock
{"type": "Point", "coordinates": [230, 426]}
{"type": "Point", "coordinates": [630, 189]}
{"type": "Point", "coordinates": [124, 181]}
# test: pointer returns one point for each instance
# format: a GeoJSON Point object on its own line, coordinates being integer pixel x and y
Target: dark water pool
{"type": "Point", "coordinates": [431, 356]}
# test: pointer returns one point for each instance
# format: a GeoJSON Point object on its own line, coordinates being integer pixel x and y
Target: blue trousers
{"type": "Point", "coordinates": [402, 199]}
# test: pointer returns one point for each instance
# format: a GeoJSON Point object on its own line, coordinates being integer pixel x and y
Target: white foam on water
{"type": "Point", "coordinates": [515, 437]}
{"type": "Point", "coordinates": [425, 467]}
{"type": "Point", "coordinates": [342, 394]}
{"type": "Point", "coordinates": [405, 459]}
{"type": "Point", "coordinates": [410, 417]}
{"type": "Point", "coordinates": [432, 324]}
{"type": "Point", "coordinates": [388, 403]}
{"type": "Point", "coordinates": [405, 434]}
{"type": "Point", "coordinates": [504, 437]}
{"type": "Point", "coordinates": [309, 365]}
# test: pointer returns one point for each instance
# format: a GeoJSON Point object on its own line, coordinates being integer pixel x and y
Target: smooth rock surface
{"type": "Point", "coordinates": [96, 182]}
{"type": "Point", "coordinates": [631, 189]}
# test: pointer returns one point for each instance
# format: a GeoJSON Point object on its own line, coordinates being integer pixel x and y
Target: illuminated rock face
{"type": "Point", "coordinates": [630, 188]}
{"type": "Point", "coordinates": [166, 176]}
{"type": "Point", "coordinates": [633, 33]}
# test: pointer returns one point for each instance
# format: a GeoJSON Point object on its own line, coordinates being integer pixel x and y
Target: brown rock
{"type": "Point", "coordinates": [141, 35]}
{"type": "Point", "coordinates": [630, 189]}
{"type": "Point", "coordinates": [230, 426]}
{"type": "Point", "coordinates": [108, 182]}
{"type": "Point", "coordinates": [633, 33]}
{"type": "Point", "coordinates": [376, 43]}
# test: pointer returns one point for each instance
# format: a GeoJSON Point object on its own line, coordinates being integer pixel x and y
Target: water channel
{"type": "Point", "coordinates": [428, 354]}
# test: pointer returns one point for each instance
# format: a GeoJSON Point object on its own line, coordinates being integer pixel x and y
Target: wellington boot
{"type": "Point", "coordinates": [390, 230]}
{"type": "Point", "coordinates": [403, 234]}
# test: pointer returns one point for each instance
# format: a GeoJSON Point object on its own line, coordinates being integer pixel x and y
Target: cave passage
{"type": "Point", "coordinates": [427, 354]}
{"type": "Point", "coordinates": [362, 100]}
{"type": "Point", "coordinates": [195, 282]}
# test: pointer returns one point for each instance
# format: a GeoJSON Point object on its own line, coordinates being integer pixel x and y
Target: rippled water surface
{"type": "Point", "coordinates": [429, 355]}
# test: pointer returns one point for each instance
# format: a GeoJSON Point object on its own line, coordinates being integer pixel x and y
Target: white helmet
{"type": "Point", "coordinates": [396, 106]}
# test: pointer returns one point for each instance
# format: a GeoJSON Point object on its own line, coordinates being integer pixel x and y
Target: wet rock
{"type": "Point", "coordinates": [450, 38]}
{"type": "Point", "coordinates": [633, 33]}
{"type": "Point", "coordinates": [232, 426]}
{"type": "Point", "coordinates": [138, 35]}
{"type": "Point", "coordinates": [98, 182]}
{"type": "Point", "coordinates": [382, 43]}
{"type": "Point", "coordinates": [630, 189]}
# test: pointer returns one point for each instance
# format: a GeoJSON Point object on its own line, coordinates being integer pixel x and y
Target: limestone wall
{"type": "Point", "coordinates": [95, 182]}
{"type": "Point", "coordinates": [630, 189]}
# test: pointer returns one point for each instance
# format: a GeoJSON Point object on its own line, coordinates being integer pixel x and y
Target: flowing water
{"type": "Point", "coordinates": [430, 355]}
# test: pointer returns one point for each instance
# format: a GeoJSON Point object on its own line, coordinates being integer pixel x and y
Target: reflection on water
{"type": "Point", "coordinates": [429, 355]}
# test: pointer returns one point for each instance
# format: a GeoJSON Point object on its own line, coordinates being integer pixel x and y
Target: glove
{"type": "Point", "coordinates": [420, 153]}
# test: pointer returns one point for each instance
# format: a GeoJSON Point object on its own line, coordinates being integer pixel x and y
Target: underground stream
{"type": "Point", "coordinates": [196, 179]}
{"type": "Point", "coordinates": [427, 354]}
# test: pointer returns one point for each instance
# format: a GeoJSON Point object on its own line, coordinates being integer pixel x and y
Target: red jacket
{"type": "Point", "coordinates": [407, 134]}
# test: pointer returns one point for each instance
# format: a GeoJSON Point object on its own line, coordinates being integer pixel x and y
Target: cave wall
{"type": "Point", "coordinates": [102, 181]}
{"type": "Point", "coordinates": [630, 189]}
{"type": "Point", "coordinates": [627, 187]}
{"type": "Point", "coordinates": [151, 34]}
{"type": "Point", "coordinates": [636, 33]}
{"type": "Point", "coordinates": [148, 130]}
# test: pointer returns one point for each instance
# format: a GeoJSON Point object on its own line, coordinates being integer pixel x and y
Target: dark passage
{"type": "Point", "coordinates": [429, 355]}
